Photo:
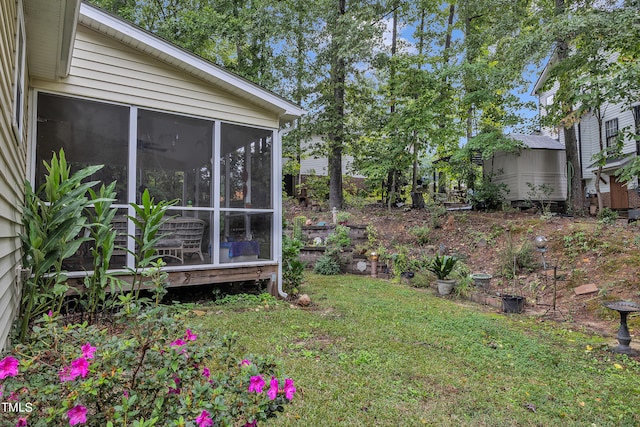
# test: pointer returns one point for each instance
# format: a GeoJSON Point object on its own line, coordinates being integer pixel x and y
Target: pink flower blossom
{"type": "Point", "coordinates": [178, 343]}
{"type": "Point", "coordinates": [88, 351]}
{"type": "Point", "coordinates": [189, 336]}
{"type": "Point", "coordinates": [289, 388]}
{"type": "Point", "coordinates": [204, 420]}
{"type": "Point", "coordinates": [77, 415]}
{"type": "Point", "coordinates": [273, 388]}
{"type": "Point", "coordinates": [50, 313]}
{"type": "Point", "coordinates": [206, 372]}
{"type": "Point", "coordinates": [253, 423]}
{"type": "Point", "coordinates": [79, 367]}
{"type": "Point", "coordinates": [65, 374]}
{"type": "Point", "coordinates": [8, 367]}
{"type": "Point", "coordinates": [22, 422]}
{"type": "Point", "coordinates": [256, 383]}
{"type": "Point", "coordinates": [245, 362]}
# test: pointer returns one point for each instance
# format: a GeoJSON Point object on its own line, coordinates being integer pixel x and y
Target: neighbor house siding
{"type": "Point", "coordinates": [312, 165]}
{"type": "Point", "coordinates": [103, 68]}
{"type": "Point", "coordinates": [591, 144]}
{"type": "Point", "coordinates": [12, 175]}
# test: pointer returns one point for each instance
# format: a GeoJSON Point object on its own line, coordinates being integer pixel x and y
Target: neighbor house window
{"type": "Point", "coordinates": [611, 131]}
{"type": "Point", "coordinates": [19, 77]}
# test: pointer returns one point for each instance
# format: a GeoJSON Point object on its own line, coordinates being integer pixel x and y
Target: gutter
{"type": "Point", "coordinates": [278, 176]}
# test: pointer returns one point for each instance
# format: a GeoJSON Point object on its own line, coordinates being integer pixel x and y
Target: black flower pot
{"type": "Point", "coordinates": [512, 303]}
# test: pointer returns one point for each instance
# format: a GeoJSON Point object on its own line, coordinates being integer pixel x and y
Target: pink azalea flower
{"type": "Point", "coordinates": [189, 336]}
{"type": "Point", "coordinates": [79, 368]}
{"type": "Point", "coordinates": [178, 343]}
{"type": "Point", "coordinates": [206, 372]}
{"type": "Point", "coordinates": [253, 423]}
{"type": "Point", "coordinates": [245, 362]}
{"type": "Point", "coordinates": [22, 422]}
{"type": "Point", "coordinates": [65, 374]}
{"type": "Point", "coordinates": [289, 388]}
{"type": "Point", "coordinates": [204, 420]}
{"type": "Point", "coordinates": [88, 351]}
{"type": "Point", "coordinates": [8, 367]}
{"type": "Point", "coordinates": [77, 415]}
{"type": "Point", "coordinates": [256, 383]}
{"type": "Point", "coordinates": [273, 388]}
{"type": "Point", "coordinates": [174, 390]}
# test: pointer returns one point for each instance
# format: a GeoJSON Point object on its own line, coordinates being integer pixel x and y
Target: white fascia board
{"type": "Point", "coordinates": [167, 52]}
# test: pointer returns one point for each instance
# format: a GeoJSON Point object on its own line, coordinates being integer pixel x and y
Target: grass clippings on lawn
{"type": "Point", "coordinates": [370, 352]}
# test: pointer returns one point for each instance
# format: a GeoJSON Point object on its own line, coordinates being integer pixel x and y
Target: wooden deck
{"type": "Point", "coordinates": [207, 276]}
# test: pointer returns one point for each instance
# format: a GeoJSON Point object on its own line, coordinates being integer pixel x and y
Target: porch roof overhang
{"type": "Point", "coordinates": [612, 164]}
{"type": "Point", "coordinates": [50, 27]}
{"type": "Point", "coordinates": [150, 44]}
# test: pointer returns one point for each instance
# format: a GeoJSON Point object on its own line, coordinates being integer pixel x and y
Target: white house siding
{"type": "Point", "coordinates": [12, 175]}
{"type": "Point", "coordinates": [590, 143]}
{"type": "Point", "coordinates": [310, 165]}
{"type": "Point", "coordinates": [103, 68]}
{"type": "Point", "coordinates": [545, 99]}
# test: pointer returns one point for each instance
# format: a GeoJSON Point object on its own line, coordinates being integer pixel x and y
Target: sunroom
{"type": "Point", "coordinates": [221, 175]}
{"type": "Point", "coordinates": [162, 120]}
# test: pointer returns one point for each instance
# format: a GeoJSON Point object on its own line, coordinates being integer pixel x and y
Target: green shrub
{"type": "Point", "coordinates": [327, 265]}
{"type": "Point", "coordinates": [489, 195]}
{"type": "Point", "coordinates": [421, 233]}
{"type": "Point", "coordinates": [607, 216]}
{"type": "Point", "coordinates": [514, 260]}
{"type": "Point", "coordinates": [333, 260]}
{"type": "Point", "coordinates": [292, 266]}
{"type": "Point", "coordinates": [298, 223]}
{"type": "Point", "coordinates": [159, 374]}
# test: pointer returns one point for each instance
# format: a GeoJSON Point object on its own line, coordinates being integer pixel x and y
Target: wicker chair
{"type": "Point", "coordinates": [190, 231]}
{"type": "Point", "coordinates": [179, 237]}
{"type": "Point", "coordinates": [120, 243]}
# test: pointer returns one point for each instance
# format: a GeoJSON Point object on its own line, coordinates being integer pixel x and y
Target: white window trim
{"type": "Point", "coordinates": [19, 77]}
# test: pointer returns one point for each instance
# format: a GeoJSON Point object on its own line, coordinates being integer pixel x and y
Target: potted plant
{"type": "Point", "coordinates": [442, 266]}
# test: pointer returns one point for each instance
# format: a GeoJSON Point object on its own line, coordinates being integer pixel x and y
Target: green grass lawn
{"type": "Point", "coordinates": [374, 353]}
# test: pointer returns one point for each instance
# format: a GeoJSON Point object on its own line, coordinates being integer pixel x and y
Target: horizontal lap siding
{"type": "Point", "coordinates": [12, 175]}
{"type": "Point", "coordinates": [103, 68]}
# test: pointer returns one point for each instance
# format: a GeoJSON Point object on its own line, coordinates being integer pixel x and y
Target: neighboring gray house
{"type": "Point", "coordinates": [542, 161]}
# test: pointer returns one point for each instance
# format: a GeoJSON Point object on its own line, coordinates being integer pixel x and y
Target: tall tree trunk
{"type": "Point", "coordinates": [392, 91]}
{"type": "Point", "coordinates": [417, 199]}
{"type": "Point", "coordinates": [570, 140]}
{"type": "Point", "coordinates": [336, 138]}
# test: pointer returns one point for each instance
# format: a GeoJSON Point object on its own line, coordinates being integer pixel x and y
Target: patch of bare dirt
{"type": "Point", "coordinates": [582, 250]}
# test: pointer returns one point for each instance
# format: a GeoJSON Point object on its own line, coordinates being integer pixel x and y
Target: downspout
{"type": "Point", "coordinates": [278, 199]}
